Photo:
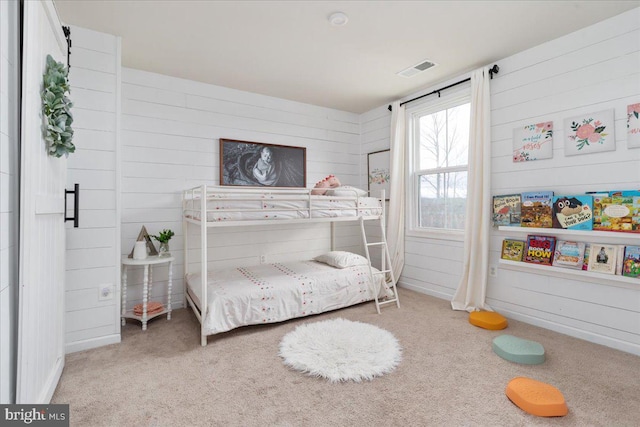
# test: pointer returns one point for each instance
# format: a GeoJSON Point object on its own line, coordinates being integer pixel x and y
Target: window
{"type": "Point", "coordinates": [439, 141]}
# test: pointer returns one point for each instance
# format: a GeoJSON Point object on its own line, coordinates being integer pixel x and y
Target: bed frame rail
{"type": "Point", "coordinates": [194, 206]}
{"type": "Point", "coordinates": [301, 201]}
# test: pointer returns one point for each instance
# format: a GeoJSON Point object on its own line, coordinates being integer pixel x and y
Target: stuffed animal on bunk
{"type": "Point", "coordinates": [327, 183]}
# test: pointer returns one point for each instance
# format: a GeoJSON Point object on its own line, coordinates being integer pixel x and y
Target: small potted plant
{"type": "Point", "coordinates": [163, 238]}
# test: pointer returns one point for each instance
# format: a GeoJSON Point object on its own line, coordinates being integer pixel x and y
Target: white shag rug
{"type": "Point", "coordinates": [341, 350]}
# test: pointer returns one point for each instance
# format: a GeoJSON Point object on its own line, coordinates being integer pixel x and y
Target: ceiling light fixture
{"type": "Point", "coordinates": [338, 19]}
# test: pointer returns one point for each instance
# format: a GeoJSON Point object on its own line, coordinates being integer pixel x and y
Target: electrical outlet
{"type": "Point", "coordinates": [263, 259]}
{"type": "Point", "coordinates": [105, 292]}
{"type": "Point", "coordinates": [493, 270]}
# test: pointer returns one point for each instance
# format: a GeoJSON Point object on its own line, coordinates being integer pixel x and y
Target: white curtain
{"type": "Point", "coordinates": [471, 292]}
{"type": "Point", "coordinates": [395, 219]}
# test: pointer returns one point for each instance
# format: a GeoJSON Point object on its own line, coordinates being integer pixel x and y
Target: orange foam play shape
{"type": "Point", "coordinates": [536, 398]}
{"type": "Point", "coordinates": [488, 320]}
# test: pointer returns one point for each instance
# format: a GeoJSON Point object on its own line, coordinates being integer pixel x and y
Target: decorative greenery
{"type": "Point", "coordinates": [164, 236]}
{"type": "Point", "coordinates": [57, 109]}
{"type": "Point", "coordinates": [633, 110]}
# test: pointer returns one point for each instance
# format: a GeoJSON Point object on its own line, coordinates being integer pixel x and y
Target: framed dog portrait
{"type": "Point", "coordinates": [256, 164]}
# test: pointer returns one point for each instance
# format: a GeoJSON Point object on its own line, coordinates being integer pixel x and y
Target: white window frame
{"type": "Point", "coordinates": [455, 96]}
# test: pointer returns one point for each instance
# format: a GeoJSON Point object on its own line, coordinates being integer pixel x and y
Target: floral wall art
{"type": "Point", "coordinates": [589, 133]}
{"type": "Point", "coordinates": [633, 125]}
{"type": "Point", "coordinates": [379, 171]}
{"type": "Point", "coordinates": [533, 142]}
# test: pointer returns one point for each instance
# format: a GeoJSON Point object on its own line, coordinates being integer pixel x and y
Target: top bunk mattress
{"type": "Point", "coordinates": [238, 207]}
{"type": "Point", "coordinates": [269, 293]}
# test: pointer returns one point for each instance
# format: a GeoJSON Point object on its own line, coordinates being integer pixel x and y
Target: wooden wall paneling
{"type": "Point", "coordinates": [88, 319]}
{"type": "Point", "coordinates": [590, 70]}
{"type": "Point", "coordinates": [89, 278]}
{"type": "Point", "coordinates": [90, 79]}
{"type": "Point", "coordinates": [152, 80]}
{"type": "Point", "coordinates": [93, 249]}
{"type": "Point", "coordinates": [565, 82]}
{"type": "Point", "coordinates": [170, 130]}
{"type": "Point", "coordinates": [94, 41]}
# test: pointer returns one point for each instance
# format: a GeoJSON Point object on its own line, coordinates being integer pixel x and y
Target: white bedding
{"type": "Point", "coordinates": [226, 207]}
{"type": "Point", "coordinates": [270, 293]}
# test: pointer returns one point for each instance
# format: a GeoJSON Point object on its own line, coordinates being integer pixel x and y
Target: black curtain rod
{"type": "Point", "coordinates": [493, 70]}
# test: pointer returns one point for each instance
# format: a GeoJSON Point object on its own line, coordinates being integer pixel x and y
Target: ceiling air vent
{"type": "Point", "coordinates": [416, 69]}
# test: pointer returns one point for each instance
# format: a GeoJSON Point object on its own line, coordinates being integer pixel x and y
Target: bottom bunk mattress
{"type": "Point", "coordinates": [269, 293]}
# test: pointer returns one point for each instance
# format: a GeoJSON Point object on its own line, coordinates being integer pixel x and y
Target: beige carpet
{"type": "Point", "coordinates": [448, 376]}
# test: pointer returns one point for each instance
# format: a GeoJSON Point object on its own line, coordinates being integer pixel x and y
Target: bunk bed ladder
{"type": "Point", "coordinates": [386, 269]}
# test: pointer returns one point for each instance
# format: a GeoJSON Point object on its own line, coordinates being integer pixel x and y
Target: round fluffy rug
{"type": "Point", "coordinates": [341, 350]}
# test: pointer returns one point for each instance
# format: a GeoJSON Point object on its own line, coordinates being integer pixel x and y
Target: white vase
{"type": "Point", "coordinates": [140, 250]}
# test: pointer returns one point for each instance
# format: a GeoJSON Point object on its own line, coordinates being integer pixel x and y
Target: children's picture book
{"type": "Point", "coordinates": [617, 211]}
{"type": "Point", "coordinates": [537, 210]}
{"type": "Point", "coordinates": [631, 262]}
{"type": "Point", "coordinates": [506, 210]}
{"type": "Point", "coordinates": [598, 198]}
{"type": "Point", "coordinates": [512, 250]}
{"type": "Point", "coordinates": [585, 262]}
{"type": "Point", "coordinates": [602, 258]}
{"type": "Point", "coordinates": [573, 212]}
{"type": "Point", "coordinates": [540, 249]}
{"type": "Point", "coordinates": [569, 254]}
{"type": "Point", "coordinates": [619, 259]}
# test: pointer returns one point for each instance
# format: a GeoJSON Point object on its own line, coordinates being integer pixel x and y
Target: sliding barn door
{"type": "Point", "coordinates": [42, 233]}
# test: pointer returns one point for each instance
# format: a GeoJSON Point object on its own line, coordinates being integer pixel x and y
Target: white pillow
{"type": "Point", "coordinates": [342, 259]}
{"type": "Point", "coordinates": [346, 191]}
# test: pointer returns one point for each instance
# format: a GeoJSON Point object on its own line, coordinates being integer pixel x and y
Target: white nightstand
{"type": "Point", "coordinates": [147, 265]}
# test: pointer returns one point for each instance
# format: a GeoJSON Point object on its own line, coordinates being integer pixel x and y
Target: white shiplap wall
{"type": "Point", "coordinates": [9, 173]}
{"type": "Point", "coordinates": [170, 141]}
{"type": "Point", "coordinates": [374, 136]}
{"type": "Point", "coordinates": [93, 249]}
{"type": "Point", "coordinates": [593, 69]}
{"type": "Point", "coordinates": [374, 133]}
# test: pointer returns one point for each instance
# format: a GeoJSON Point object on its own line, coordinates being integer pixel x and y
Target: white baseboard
{"type": "Point", "coordinates": [422, 290]}
{"type": "Point", "coordinates": [92, 343]}
{"type": "Point", "coordinates": [571, 331]}
{"type": "Point", "coordinates": [542, 323]}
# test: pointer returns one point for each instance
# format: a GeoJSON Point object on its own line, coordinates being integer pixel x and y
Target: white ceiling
{"type": "Point", "coordinates": [288, 49]}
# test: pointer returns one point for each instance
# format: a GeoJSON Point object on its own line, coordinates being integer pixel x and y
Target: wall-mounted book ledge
{"type": "Point", "coordinates": [600, 237]}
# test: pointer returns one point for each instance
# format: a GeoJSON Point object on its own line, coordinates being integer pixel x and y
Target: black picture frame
{"type": "Point", "coordinates": [242, 163]}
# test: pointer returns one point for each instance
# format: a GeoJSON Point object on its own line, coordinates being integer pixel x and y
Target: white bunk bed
{"type": "Point", "coordinates": [230, 295]}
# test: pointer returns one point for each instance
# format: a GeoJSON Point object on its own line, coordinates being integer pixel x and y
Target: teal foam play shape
{"type": "Point", "coordinates": [518, 350]}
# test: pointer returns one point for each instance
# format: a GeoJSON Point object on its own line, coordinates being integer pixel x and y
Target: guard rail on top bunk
{"type": "Point", "coordinates": [193, 211]}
